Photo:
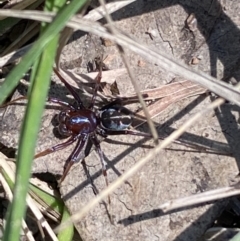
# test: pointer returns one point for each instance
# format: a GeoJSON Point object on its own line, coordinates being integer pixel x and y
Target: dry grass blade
{"type": "Point", "coordinates": [219, 87]}
{"type": "Point", "coordinates": [201, 198]}
{"type": "Point", "coordinates": [140, 97]}
{"type": "Point", "coordinates": [171, 93]}
{"type": "Point", "coordinates": [78, 81]}
{"type": "Point", "coordinates": [176, 134]}
{"type": "Point", "coordinates": [94, 15]}
{"type": "Point", "coordinates": [45, 209]}
{"type": "Point", "coordinates": [18, 4]}
{"type": "Point", "coordinates": [10, 197]}
{"type": "Point", "coordinates": [107, 76]}
{"type": "Point", "coordinates": [121, 49]}
{"type": "Point", "coordinates": [99, 12]}
{"type": "Point", "coordinates": [30, 201]}
{"type": "Point", "coordinates": [169, 89]}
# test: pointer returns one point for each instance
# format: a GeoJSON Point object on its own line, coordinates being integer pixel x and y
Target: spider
{"type": "Point", "coordinates": [81, 123]}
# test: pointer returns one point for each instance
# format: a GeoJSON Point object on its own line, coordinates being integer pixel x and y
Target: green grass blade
{"type": "Point", "coordinates": [236, 237]}
{"type": "Point", "coordinates": [8, 23]}
{"type": "Point", "coordinates": [51, 30]}
{"type": "Point", "coordinates": [56, 203]}
{"type": "Point", "coordinates": [47, 200]}
{"type": "Point", "coordinates": [39, 85]}
{"type": "Point", "coordinates": [67, 233]}
{"type": "Point", "coordinates": [28, 138]}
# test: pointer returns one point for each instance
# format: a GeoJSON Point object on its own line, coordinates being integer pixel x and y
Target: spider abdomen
{"type": "Point", "coordinates": [77, 122]}
{"type": "Point", "coordinates": [116, 118]}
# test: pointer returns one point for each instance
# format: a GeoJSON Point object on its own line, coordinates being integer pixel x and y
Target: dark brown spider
{"type": "Point", "coordinates": [81, 123]}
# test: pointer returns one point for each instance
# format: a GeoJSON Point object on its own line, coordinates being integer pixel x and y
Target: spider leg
{"type": "Point", "coordinates": [100, 153]}
{"type": "Point", "coordinates": [60, 102]}
{"type": "Point", "coordinates": [71, 89]}
{"type": "Point", "coordinates": [49, 99]}
{"type": "Point", "coordinates": [74, 157]}
{"type": "Point", "coordinates": [13, 101]}
{"type": "Point", "coordinates": [97, 85]}
{"type": "Point", "coordinates": [57, 147]}
{"type": "Point", "coordinates": [113, 103]}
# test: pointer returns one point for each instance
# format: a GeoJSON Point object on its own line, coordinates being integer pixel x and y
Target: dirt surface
{"type": "Point", "coordinates": [213, 47]}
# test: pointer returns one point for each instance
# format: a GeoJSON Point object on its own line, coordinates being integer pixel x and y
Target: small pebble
{"type": "Point", "coordinates": [152, 33]}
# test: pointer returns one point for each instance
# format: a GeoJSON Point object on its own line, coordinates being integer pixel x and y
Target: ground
{"type": "Point", "coordinates": [212, 46]}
